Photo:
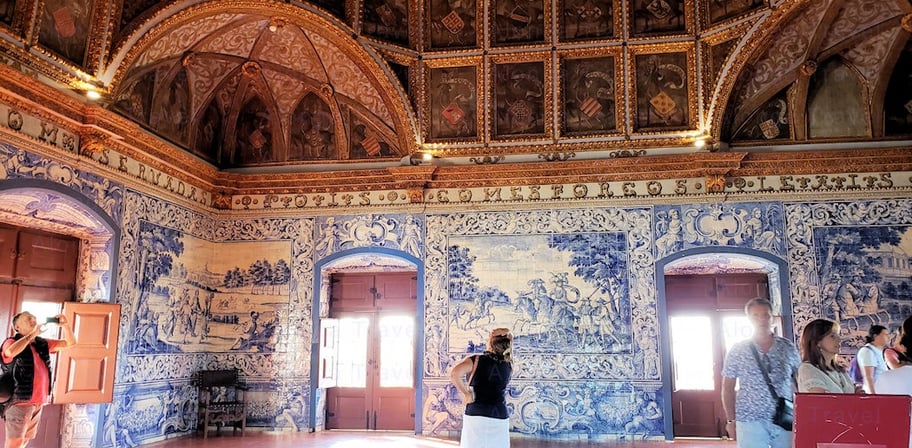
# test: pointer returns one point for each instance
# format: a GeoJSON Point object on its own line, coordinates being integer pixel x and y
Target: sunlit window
{"type": "Point", "coordinates": [42, 311]}
{"type": "Point", "coordinates": [397, 334]}
{"type": "Point", "coordinates": [692, 352]}
{"type": "Point", "coordinates": [352, 360]}
{"type": "Point", "coordinates": [735, 328]}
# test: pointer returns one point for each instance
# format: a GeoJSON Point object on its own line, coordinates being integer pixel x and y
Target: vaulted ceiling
{"type": "Point", "coordinates": [256, 85]}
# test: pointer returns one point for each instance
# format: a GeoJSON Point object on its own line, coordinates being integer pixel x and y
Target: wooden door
{"type": "Point", "coordinates": [706, 315]}
{"type": "Point", "coordinates": [375, 316]}
{"type": "Point", "coordinates": [85, 372]}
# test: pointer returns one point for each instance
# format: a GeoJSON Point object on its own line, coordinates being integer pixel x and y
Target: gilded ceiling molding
{"type": "Point", "coordinates": [754, 43]}
{"type": "Point", "coordinates": [827, 162]}
{"type": "Point", "coordinates": [133, 45]}
{"type": "Point", "coordinates": [713, 87]}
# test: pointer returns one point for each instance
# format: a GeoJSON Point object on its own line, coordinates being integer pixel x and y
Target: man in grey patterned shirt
{"type": "Point", "coordinates": [750, 412]}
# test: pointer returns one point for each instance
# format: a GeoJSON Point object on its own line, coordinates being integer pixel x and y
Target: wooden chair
{"type": "Point", "coordinates": [221, 401]}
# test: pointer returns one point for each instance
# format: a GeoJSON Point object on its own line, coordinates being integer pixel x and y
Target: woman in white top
{"type": "Point", "coordinates": [819, 372]}
{"type": "Point", "coordinates": [871, 356]}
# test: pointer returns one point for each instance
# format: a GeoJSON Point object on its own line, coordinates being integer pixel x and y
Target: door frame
{"type": "Point", "coordinates": [776, 270]}
{"type": "Point", "coordinates": [322, 274]}
{"type": "Point", "coordinates": [101, 280]}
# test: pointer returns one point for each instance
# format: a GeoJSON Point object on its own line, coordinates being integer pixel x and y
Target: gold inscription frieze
{"type": "Point", "coordinates": [641, 189]}
{"type": "Point", "coordinates": [38, 129]}
{"type": "Point", "coordinates": [47, 133]}
{"type": "Point", "coordinates": [152, 176]}
{"type": "Point", "coordinates": [321, 200]}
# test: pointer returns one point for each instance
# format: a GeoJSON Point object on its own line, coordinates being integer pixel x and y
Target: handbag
{"type": "Point", "coordinates": [784, 416]}
{"type": "Point", "coordinates": [7, 384]}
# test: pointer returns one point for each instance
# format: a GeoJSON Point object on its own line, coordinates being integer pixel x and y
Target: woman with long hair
{"type": "Point", "coordinates": [820, 371]}
{"type": "Point", "coordinates": [486, 421]}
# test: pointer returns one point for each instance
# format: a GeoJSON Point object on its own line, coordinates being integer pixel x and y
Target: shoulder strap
{"type": "Point", "coordinates": [475, 361]}
{"type": "Point", "coordinates": [763, 369]}
{"type": "Point", "coordinates": [858, 353]}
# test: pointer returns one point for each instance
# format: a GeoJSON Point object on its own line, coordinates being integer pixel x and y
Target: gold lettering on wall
{"type": "Point", "coordinates": [48, 133]}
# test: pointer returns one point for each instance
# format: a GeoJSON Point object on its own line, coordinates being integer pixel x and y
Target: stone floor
{"type": "Point", "coordinates": [377, 439]}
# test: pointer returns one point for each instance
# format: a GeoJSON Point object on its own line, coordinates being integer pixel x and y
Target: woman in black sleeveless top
{"type": "Point", "coordinates": [486, 423]}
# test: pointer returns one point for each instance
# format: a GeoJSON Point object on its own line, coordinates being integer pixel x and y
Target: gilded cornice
{"type": "Point", "coordinates": [575, 171]}
{"type": "Point", "coordinates": [826, 162]}
{"type": "Point", "coordinates": [28, 93]}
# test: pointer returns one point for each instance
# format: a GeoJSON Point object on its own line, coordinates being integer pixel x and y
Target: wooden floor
{"type": "Point", "coordinates": [339, 439]}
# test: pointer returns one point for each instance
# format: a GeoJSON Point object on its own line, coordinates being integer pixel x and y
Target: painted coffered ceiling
{"type": "Point", "coordinates": [254, 86]}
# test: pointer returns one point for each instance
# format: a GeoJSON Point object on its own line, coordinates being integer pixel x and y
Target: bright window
{"type": "Point", "coordinates": [352, 360]}
{"type": "Point", "coordinates": [42, 311]}
{"type": "Point", "coordinates": [692, 349]}
{"type": "Point", "coordinates": [397, 334]}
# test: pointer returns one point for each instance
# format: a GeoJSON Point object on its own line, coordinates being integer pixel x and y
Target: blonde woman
{"type": "Point", "coordinates": [486, 422]}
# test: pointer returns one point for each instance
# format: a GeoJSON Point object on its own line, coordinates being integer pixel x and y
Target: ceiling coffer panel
{"type": "Point", "coordinates": [331, 93]}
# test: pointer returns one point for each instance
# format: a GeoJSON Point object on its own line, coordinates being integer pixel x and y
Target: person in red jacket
{"type": "Point", "coordinates": [29, 355]}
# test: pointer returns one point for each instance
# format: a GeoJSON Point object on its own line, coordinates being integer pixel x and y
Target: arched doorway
{"type": "Point", "coordinates": [702, 293]}
{"type": "Point", "coordinates": [368, 319]}
{"type": "Point", "coordinates": [58, 213]}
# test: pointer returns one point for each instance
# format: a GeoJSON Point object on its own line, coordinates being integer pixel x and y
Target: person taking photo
{"type": "Point", "coordinates": [29, 355]}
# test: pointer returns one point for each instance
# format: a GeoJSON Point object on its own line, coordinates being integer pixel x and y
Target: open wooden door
{"type": "Point", "coordinates": [85, 372]}
{"type": "Point", "coordinates": [705, 316]}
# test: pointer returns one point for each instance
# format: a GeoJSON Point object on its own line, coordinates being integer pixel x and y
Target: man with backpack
{"type": "Point", "coordinates": [869, 362]}
{"type": "Point", "coordinates": [28, 354]}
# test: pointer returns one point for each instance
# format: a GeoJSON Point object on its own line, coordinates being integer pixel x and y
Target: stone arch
{"type": "Point", "coordinates": [67, 211]}
{"type": "Point", "coordinates": [368, 259]}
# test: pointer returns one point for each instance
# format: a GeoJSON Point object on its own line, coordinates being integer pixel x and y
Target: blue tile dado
{"type": "Point", "coordinates": [576, 281]}
{"type": "Point", "coordinates": [201, 294]}
{"type": "Point", "coordinates": [577, 286]}
{"type": "Point", "coordinates": [550, 409]}
{"type": "Point", "coordinates": [18, 164]}
{"type": "Point", "coordinates": [393, 231]}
